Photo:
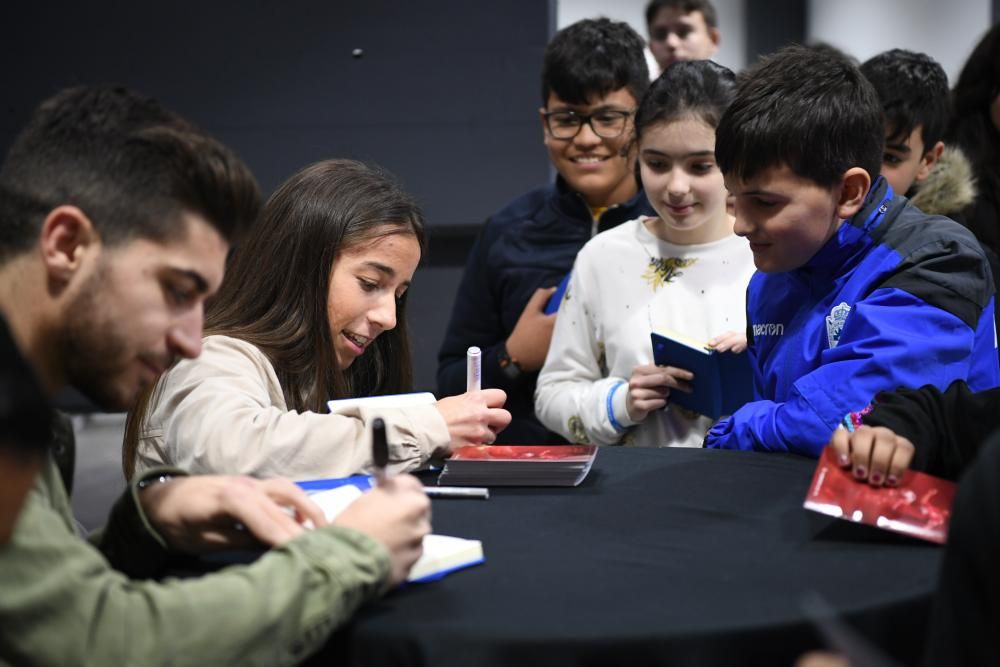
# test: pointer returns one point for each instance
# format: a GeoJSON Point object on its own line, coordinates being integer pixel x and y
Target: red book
{"type": "Point", "coordinates": [518, 465]}
{"type": "Point", "coordinates": [920, 506]}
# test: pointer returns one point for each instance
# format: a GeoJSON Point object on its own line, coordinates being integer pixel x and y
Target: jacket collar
{"type": "Point", "coordinates": [856, 235]}
{"type": "Point", "coordinates": [572, 204]}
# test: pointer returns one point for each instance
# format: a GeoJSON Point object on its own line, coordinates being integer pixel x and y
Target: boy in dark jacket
{"type": "Point", "coordinates": [593, 77]}
{"type": "Point", "coordinates": [857, 291]}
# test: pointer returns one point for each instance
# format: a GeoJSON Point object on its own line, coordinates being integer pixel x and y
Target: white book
{"type": "Point", "coordinates": [442, 553]}
{"type": "Point", "coordinates": [389, 401]}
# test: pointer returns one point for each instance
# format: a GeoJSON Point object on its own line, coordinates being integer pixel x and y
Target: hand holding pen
{"type": "Point", "coordinates": [380, 459]}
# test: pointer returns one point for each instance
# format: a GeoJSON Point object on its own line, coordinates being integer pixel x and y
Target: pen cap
{"type": "Point", "coordinates": [380, 444]}
{"type": "Point", "coordinates": [474, 368]}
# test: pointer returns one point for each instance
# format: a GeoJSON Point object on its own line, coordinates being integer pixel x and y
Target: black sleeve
{"type": "Point", "coordinates": [966, 608]}
{"type": "Point", "coordinates": [475, 320]}
{"type": "Point", "coordinates": [946, 428]}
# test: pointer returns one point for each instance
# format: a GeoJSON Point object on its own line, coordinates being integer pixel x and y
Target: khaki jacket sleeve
{"type": "Point", "coordinates": [225, 413]}
{"type": "Point", "coordinates": [63, 604]}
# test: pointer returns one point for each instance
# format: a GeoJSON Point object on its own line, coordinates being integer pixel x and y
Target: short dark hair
{"type": "Point", "coordinates": [913, 89]}
{"type": "Point", "coordinates": [809, 109]}
{"type": "Point", "coordinates": [686, 7]}
{"type": "Point", "coordinates": [592, 58]}
{"type": "Point", "coordinates": [130, 165]}
{"type": "Point", "coordinates": [700, 88]}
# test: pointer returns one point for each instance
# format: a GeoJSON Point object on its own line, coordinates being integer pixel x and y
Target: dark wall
{"type": "Point", "coordinates": [444, 94]}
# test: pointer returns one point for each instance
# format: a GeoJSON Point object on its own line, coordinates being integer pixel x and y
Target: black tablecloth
{"type": "Point", "coordinates": [669, 556]}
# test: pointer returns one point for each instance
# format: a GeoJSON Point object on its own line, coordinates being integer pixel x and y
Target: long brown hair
{"type": "Point", "coordinates": [275, 292]}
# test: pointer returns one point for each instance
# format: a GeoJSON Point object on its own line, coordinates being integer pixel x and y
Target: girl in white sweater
{"type": "Point", "coordinates": [683, 270]}
{"type": "Point", "coordinates": [312, 308]}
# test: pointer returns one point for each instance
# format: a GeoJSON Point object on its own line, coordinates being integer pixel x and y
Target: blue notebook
{"type": "Point", "coordinates": [722, 381]}
{"type": "Point", "coordinates": [552, 305]}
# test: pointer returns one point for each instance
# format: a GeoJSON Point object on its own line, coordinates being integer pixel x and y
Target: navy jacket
{"type": "Point", "coordinates": [896, 298]}
{"type": "Point", "coordinates": [530, 243]}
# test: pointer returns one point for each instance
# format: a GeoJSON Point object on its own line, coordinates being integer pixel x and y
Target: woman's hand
{"type": "Point", "coordinates": [475, 417]}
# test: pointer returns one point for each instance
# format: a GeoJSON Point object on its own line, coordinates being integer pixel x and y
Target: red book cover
{"type": "Point", "coordinates": [563, 453]}
{"type": "Point", "coordinates": [920, 506]}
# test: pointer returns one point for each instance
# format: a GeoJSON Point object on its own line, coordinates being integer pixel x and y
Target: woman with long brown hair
{"type": "Point", "coordinates": [313, 308]}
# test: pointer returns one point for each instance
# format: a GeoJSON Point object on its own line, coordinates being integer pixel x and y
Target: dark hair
{"type": "Point", "coordinates": [699, 88]}
{"type": "Point", "coordinates": [592, 58]}
{"type": "Point", "coordinates": [132, 166]}
{"type": "Point", "coordinates": [277, 284]}
{"type": "Point", "coordinates": [913, 89]}
{"type": "Point", "coordinates": [971, 126]}
{"type": "Point", "coordinates": [809, 109]}
{"type": "Point", "coordinates": [684, 6]}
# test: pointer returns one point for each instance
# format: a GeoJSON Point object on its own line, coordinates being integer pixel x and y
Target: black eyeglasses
{"type": "Point", "coordinates": [606, 123]}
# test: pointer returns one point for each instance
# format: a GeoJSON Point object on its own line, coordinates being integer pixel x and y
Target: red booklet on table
{"type": "Point", "coordinates": [518, 465]}
{"type": "Point", "coordinates": [920, 506]}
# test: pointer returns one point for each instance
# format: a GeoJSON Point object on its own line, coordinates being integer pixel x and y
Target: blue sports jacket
{"type": "Point", "coordinates": [895, 299]}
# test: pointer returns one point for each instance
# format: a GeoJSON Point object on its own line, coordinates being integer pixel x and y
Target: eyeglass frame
{"type": "Point", "coordinates": [587, 119]}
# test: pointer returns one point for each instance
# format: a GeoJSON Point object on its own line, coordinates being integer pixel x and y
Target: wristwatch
{"type": "Point", "coordinates": [508, 364]}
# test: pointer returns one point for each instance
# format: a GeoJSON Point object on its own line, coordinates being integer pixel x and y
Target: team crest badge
{"type": "Point", "coordinates": [835, 323]}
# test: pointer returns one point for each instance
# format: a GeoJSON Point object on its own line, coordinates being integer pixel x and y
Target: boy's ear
{"type": "Point", "coordinates": [715, 36]}
{"type": "Point", "coordinates": [854, 187]}
{"type": "Point", "coordinates": [928, 161]}
{"type": "Point", "coordinates": [67, 234]}
{"type": "Point", "coordinates": [545, 127]}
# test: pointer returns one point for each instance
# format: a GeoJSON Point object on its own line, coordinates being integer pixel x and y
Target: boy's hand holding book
{"type": "Point", "coordinates": [650, 386]}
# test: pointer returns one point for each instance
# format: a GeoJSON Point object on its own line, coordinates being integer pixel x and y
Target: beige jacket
{"type": "Point", "coordinates": [224, 412]}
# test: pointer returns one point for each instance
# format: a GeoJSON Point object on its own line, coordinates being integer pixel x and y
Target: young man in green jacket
{"type": "Point", "coordinates": [115, 220]}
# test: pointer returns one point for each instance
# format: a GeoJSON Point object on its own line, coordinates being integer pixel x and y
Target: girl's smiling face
{"type": "Point", "coordinates": [682, 181]}
{"type": "Point", "coordinates": [366, 282]}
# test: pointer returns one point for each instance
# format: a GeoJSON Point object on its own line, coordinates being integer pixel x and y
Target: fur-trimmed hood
{"type": "Point", "coordinates": [949, 188]}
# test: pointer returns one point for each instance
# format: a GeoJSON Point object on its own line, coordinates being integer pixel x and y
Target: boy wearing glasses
{"type": "Point", "coordinates": [681, 30]}
{"type": "Point", "coordinates": [593, 76]}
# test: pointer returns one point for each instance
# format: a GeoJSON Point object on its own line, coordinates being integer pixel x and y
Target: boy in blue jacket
{"type": "Point", "coordinates": [593, 76]}
{"type": "Point", "coordinates": [857, 291]}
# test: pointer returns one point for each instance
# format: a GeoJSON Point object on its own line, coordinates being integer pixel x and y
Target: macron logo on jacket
{"type": "Point", "coordinates": [768, 330]}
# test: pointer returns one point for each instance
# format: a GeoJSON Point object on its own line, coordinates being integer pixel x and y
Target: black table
{"type": "Point", "coordinates": [666, 557]}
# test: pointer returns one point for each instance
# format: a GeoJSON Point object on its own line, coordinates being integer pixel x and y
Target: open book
{"type": "Point", "coordinates": [442, 554]}
{"type": "Point", "coordinates": [722, 381]}
{"type": "Point", "coordinates": [920, 506]}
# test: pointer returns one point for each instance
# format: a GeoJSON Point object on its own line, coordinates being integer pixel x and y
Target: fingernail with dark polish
{"type": "Point", "coordinates": [844, 460]}
{"type": "Point", "coordinates": [859, 472]}
{"type": "Point", "coordinates": [892, 480]}
{"type": "Point", "coordinates": [876, 478]}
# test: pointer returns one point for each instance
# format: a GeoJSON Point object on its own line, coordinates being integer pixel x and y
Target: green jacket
{"type": "Point", "coordinates": [64, 601]}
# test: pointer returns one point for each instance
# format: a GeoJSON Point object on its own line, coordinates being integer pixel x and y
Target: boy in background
{"type": "Point", "coordinates": [856, 291]}
{"type": "Point", "coordinates": [681, 30]}
{"type": "Point", "coordinates": [913, 91]}
{"type": "Point", "coordinates": [593, 76]}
